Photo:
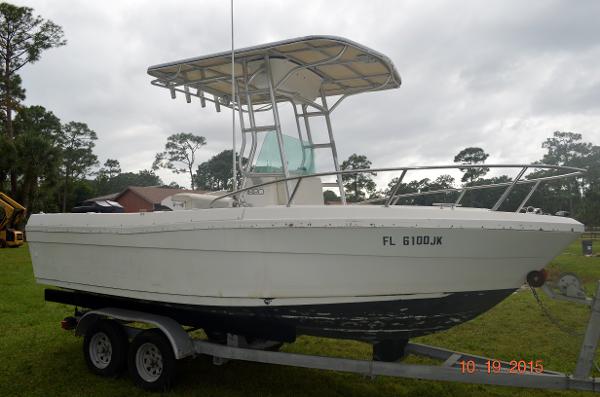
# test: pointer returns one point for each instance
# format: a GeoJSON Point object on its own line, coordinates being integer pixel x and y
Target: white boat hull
{"type": "Point", "coordinates": [297, 256]}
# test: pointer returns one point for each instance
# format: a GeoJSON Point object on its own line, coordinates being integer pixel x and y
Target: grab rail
{"type": "Point", "coordinates": [393, 197]}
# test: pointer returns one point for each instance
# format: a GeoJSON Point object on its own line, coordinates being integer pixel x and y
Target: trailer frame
{"type": "Point", "coordinates": [451, 367]}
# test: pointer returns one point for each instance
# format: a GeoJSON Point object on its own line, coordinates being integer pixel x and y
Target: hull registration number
{"type": "Point", "coordinates": [389, 241]}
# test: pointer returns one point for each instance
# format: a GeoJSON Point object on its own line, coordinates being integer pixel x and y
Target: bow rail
{"type": "Point", "coordinates": [392, 197]}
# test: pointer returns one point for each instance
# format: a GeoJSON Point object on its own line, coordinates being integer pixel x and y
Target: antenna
{"type": "Point", "coordinates": [234, 182]}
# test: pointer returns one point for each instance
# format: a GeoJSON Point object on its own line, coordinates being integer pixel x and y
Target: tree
{"type": "Point", "coordinates": [180, 154]}
{"type": "Point", "coordinates": [77, 143]}
{"type": "Point", "coordinates": [121, 181]}
{"type": "Point", "coordinates": [37, 118]}
{"type": "Point", "coordinates": [329, 195]}
{"type": "Point", "coordinates": [37, 157]}
{"type": "Point", "coordinates": [565, 148]}
{"type": "Point", "coordinates": [442, 182]}
{"type": "Point", "coordinates": [105, 175]}
{"type": "Point", "coordinates": [38, 154]}
{"type": "Point", "coordinates": [8, 158]}
{"type": "Point", "coordinates": [23, 38]}
{"type": "Point", "coordinates": [486, 198]}
{"type": "Point", "coordinates": [11, 95]}
{"type": "Point", "coordinates": [173, 185]}
{"type": "Point", "coordinates": [411, 187]}
{"type": "Point", "coordinates": [110, 169]}
{"type": "Point", "coordinates": [7, 167]}
{"type": "Point", "coordinates": [82, 190]}
{"type": "Point", "coordinates": [592, 177]}
{"type": "Point", "coordinates": [217, 173]}
{"type": "Point", "coordinates": [472, 155]}
{"type": "Point", "coordinates": [145, 178]}
{"type": "Point", "coordinates": [568, 149]}
{"type": "Point", "coordinates": [358, 185]}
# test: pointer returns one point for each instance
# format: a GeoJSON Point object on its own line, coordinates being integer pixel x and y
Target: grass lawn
{"type": "Point", "coordinates": [40, 359]}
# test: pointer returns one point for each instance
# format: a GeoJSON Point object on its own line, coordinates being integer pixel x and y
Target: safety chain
{"type": "Point", "coordinates": [551, 317]}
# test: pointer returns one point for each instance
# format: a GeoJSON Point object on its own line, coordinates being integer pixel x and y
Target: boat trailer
{"type": "Point", "coordinates": [152, 354]}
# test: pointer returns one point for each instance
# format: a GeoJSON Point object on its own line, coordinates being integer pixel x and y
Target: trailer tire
{"type": "Point", "coordinates": [151, 361]}
{"type": "Point", "coordinates": [105, 348]}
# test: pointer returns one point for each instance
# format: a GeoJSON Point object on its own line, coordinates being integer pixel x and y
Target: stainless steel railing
{"type": "Point", "coordinates": [393, 196]}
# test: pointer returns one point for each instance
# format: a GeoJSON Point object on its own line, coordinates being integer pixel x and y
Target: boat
{"type": "Point", "coordinates": [271, 260]}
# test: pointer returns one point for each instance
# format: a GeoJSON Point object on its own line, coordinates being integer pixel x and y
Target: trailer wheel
{"type": "Point", "coordinates": [151, 361]}
{"type": "Point", "coordinates": [105, 348]}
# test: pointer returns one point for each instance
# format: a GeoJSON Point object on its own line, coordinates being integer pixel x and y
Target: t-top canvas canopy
{"type": "Point", "coordinates": [301, 68]}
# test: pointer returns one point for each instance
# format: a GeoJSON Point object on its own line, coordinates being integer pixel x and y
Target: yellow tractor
{"type": "Point", "coordinates": [11, 214]}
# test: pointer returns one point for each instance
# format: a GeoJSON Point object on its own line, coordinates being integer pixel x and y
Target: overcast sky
{"type": "Point", "coordinates": [501, 75]}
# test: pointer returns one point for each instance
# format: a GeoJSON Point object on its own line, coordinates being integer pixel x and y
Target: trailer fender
{"type": "Point", "coordinates": [179, 339]}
